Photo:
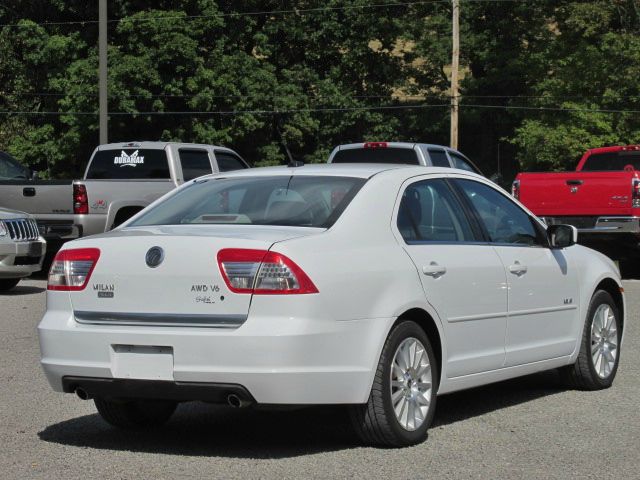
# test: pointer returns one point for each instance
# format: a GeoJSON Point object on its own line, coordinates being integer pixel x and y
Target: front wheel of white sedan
{"type": "Point", "coordinates": [597, 362]}
{"type": "Point", "coordinates": [403, 396]}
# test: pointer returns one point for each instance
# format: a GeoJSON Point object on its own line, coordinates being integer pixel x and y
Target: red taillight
{"type": "Point", "coordinates": [515, 189]}
{"type": "Point", "coordinates": [71, 269]}
{"type": "Point", "coordinates": [635, 193]}
{"type": "Point", "coordinates": [375, 145]}
{"type": "Point", "coordinates": [80, 200]}
{"type": "Point", "coordinates": [262, 273]}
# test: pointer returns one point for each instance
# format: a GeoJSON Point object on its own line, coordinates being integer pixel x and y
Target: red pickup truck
{"type": "Point", "coordinates": [601, 198]}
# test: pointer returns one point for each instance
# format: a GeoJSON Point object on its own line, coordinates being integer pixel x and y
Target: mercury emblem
{"type": "Point", "coordinates": [154, 257]}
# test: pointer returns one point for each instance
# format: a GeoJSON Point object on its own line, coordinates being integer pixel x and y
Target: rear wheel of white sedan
{"type": "Point", "coordinates": [403, 396]}
{"type": "Point", "coordinates": [597, 362]}
{"type": "Point", "coordinates": [135, 414]}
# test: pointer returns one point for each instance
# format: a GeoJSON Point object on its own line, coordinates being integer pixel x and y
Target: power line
{"type": "Point", "coordinates": [390, 96]}
{"type": "Point", "coordinates": [301, 11]}
{"type": "Point", "coordinates": [328, 109]}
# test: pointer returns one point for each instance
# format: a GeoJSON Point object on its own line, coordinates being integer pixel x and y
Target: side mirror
{"type": "Point", "coordinates": [35, 175]}
{"type": "Point", "coordinates": [562, 236]}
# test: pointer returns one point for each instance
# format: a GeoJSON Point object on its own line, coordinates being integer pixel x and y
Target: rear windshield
{"type": "Point", "coordinates": [612, 161]}
{"type": "Point", "coordinates": [377, 155]}
{"type": "Point", "coordinates": [300, 201]}
{"type": "Point", "coordinates": [129, 164]}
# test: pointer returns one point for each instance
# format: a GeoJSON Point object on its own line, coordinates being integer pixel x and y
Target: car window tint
{"type": "Point", "coordinates": [195, 163]}
{"type": "Point", "coordinates": [377, 155]}
{"type": "Point", "coordinates": [461, 163]}
{"type": "Point", "coordinates": [129, 164]}
{"type": "Point", "coordinates": [429, 211]}
{"type": "Point", "coordinates": [299, 201]}
{"type": "Point", "coordinates": [504, 221]}
{"type": "Point", "coordinates": [439, 158]}
{"type": "Point", "coordinates": [227, 162]}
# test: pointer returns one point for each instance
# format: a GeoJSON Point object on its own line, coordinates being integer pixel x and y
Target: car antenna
{"type": "Point", "coordinates": [295, 163]}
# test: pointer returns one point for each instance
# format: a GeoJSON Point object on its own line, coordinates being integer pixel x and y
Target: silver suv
{"type": "Point", "coordinates": [22, 248]}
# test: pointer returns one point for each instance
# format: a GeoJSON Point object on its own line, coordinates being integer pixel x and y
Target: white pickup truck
{"type": "Point", "coordinates": [119, 181]}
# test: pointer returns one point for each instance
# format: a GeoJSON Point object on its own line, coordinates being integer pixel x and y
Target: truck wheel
{"type": "Point", "coordinates": [403, 396]}
{"type": "Point", "coordinates": [8, 283]}
{"type": "Point", "coordinates": [597, 362]}
{"type": "Point", "coordinates": [135, 414]}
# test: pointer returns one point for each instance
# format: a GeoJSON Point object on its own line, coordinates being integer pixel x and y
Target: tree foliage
{"type": "Point", "coordinates": [276, 80]}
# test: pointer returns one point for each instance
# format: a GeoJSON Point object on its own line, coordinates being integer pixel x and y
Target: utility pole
{"type": "Point", "coordinates": [455, 64]}
{"type": "Point", "coordinates": [102, 69]}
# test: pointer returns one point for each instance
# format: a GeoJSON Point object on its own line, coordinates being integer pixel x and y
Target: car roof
{"type": "Point", "coordinates": [358, 170]}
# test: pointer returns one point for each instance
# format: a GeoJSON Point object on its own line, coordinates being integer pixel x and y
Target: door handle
{"type": "Point", "coordinates": [29, 192]}
{"type": "Point", "coordinates": [434, 270]}
{"type": "Point", "coordinates": [517, 268]}
{"type": "Point", "coordinates": [574, 182]}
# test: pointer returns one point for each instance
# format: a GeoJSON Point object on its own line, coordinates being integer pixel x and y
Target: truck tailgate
{"type": "Point", "coordinates": [39, 197]}
{"type": "Point", "coordinates": [577, 193]}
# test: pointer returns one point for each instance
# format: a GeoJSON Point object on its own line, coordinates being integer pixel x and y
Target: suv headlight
{"type": "Point", "coordinates": [3, 229]}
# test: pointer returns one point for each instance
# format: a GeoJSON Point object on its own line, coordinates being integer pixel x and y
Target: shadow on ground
{"type": "Point", "coordinates": [22, 290]}
{"type": "Point", "coordinates": [198, 429]}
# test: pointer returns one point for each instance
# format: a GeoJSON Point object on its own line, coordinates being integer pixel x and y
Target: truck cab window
{"type": "Point", "coordinates": [439, 158]}
{"type": "Point", "coordinates": [227, 162]}
{"type": "Point", "coordinates": [195, 163]}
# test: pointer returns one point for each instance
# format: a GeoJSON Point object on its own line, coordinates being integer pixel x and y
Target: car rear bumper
{"type": "Point", "coordinates": [58, 227]}
{"type": "Point", "coordinates": [277, 360]}
{"type": "Point", "coordinates": [595, 225]}
{"type": "Point", "coordinates": [115, 388]}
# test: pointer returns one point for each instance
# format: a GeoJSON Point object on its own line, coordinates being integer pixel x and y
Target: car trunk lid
{"type": "Point", "coordinates": [185, 287]}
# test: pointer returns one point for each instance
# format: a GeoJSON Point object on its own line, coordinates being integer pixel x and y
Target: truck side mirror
{"type": "Point", "coordinates": [562, 236]}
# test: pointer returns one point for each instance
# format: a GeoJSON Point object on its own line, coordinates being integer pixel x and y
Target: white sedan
{"type": "Point", "coordinates": [374, 286]}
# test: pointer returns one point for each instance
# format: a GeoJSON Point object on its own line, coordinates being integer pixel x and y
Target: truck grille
{"type": "Point", "coordinates": [22, 229]}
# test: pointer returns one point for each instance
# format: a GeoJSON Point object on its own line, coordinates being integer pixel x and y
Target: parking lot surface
{"type": "Point", "coordinates": [531, 427]}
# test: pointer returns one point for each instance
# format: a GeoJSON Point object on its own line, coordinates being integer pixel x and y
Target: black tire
{"type": "Point", "coordinates": [582, 375]}
{"type": "Point", "coordinates": [375, 422]}
{"type": "Point", "coordinates": [8, 283]}
{"type": "Point", "coordinates": [135, 414]}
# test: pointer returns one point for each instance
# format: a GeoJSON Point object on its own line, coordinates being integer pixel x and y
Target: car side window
{"type": "Point", "coordinates": [228, 162]}
{"type": "Point", "coordinates": [461, 163]}
{"type": "Point", "coordinates": [430, 212]}
{"type": "Point", "coordinates": [439, 158]}
{"type": "Point", "coordinates": [195, 163]}
{"type": "Point", "coordinates": [504, 221]}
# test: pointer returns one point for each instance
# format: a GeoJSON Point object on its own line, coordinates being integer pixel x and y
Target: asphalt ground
{"type": "Point", "coordinates": [528, 428]}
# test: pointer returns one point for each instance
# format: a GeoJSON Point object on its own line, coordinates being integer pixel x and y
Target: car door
{"type": "Point", "coordinates": [462, 278]}
{"type": "Point", "coordinates": [543, 283]}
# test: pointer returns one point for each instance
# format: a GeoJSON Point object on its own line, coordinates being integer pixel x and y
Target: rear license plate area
{"type": "Point", "coordinates": [142, 362]}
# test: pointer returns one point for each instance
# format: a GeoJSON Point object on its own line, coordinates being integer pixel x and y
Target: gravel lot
{"type": "Point", "coordinates": [527, 428]}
